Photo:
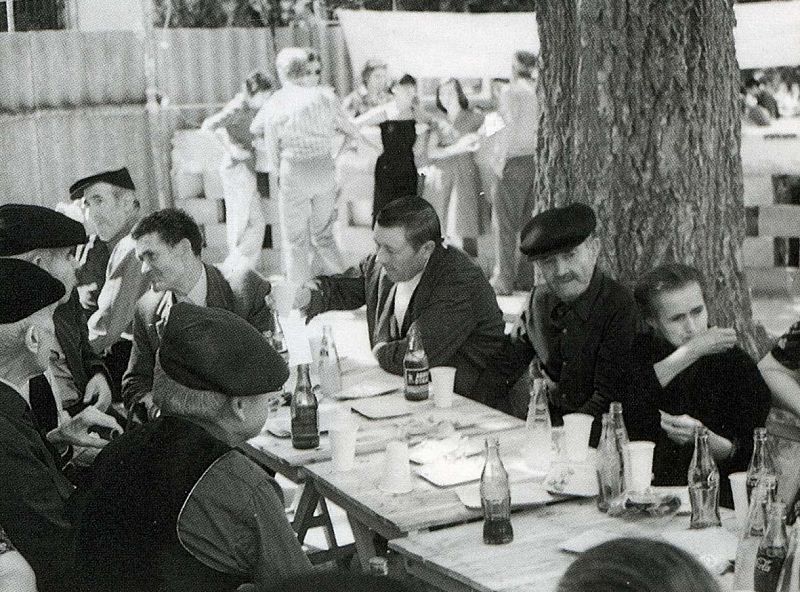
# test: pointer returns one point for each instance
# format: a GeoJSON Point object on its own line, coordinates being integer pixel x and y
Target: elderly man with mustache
{"type": "Point", "coordinates": [579, 324]}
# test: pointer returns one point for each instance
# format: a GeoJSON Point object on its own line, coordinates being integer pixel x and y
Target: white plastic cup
{"type": "Point", "coordinates": [396, 469]}
{"type": "Point", "coordinates": [641, 459]}
{"type": "Point", "coordinates": [577, 428]}
{"type": "Point", "coordinates": [740, 505]}
{"type": "Point", "coordinates": [442, 381]}
{"type": "Point", "coordinates": [283, 295]}
{"type": "Point", "coordinates": [343, 434]}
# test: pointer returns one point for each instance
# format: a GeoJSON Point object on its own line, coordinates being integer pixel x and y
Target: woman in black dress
{"type": "Point", "coordinates": [395, 170]}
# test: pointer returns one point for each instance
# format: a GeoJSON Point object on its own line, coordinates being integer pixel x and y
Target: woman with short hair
{"type": "Point", "coordinates": [686, 374]}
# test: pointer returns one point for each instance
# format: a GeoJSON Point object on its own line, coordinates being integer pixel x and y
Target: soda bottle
{"type": "Point", "coordinates": [276, 337]}
{"type": "Point", "coordinates": [415, 367]}
{"type": "Point", "coordinates": [789, 580]}
{"type": "Point", "coordinates": [305, 427]}
{"type": "Point", "coordinates": [495, 498]}
{"type": "Point", "coordinates": [771, 552]}
{"type": "Point", "coordinates": [539, 448]}
{"type": "Point", "coordinates": [750, 540]}
{"type": "Point", "coordinates": [703, 479]}
{"type": "Point", "coordinates": [609, 465]}
{"type": "Point", "coordinates": [330, 375]}
{"type": "Point", "coordinates": [761, 462]}
{"type": "Point", "coordinates": [621, 439]}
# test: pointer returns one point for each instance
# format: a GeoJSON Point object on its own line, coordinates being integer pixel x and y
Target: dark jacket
{"type": "Point", "coordinates": [454, 307]}
{"type": "Point", "coordinates": [723, 391]}
{"type": "Point", "coordinates": [241, 292]}
{"type": "Point", "coordinates": [582, 346]}
{"type": "Point", "coordinates": [33, 494]}
{"type": "Point", "coordinates": [127, 539]}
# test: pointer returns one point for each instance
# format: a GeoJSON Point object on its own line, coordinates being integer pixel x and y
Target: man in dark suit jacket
{"type": "Point", "coordinates": [169, 244]}
{"type": "Point", "coordinates": [412, 277]}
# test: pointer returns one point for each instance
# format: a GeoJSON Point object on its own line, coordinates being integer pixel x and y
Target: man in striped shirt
{"type": "Point", "coordinates": [301, 120]}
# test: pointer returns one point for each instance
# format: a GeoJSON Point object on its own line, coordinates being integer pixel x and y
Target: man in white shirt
{"type": "Point", "coordinates": [169, 246]}
{"type": "Point", "coordinates": [413, 278]}
{"type": "Point", "coordinates": [300, 121]}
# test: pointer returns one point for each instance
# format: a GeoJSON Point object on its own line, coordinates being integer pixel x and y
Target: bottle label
{"type": "Point", "coordinates": [305, 432]}
{"type": "Point", "coordinates": [767, 570]}
{"type": "Point", "coordinates": [418, 376]}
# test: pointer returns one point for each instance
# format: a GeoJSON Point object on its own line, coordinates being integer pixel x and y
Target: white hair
{"type": "Point", "coordinates": [292, 63]}
{"type": "Point", "coordinates": [176, 399]}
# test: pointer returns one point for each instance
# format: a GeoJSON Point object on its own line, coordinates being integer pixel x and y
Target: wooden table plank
{"type": "Point", "coordinates": [456, 558]}
{"type": "Point", "coordinates": [395, 515]}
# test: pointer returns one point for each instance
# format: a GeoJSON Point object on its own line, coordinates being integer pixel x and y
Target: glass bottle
{"type": "Point", "coordinates": [760, 462]}
{"type": "Point", "coordinates": [275, 337]}
{"type": "Point", "coordinates": [771, 551]}
{"type": "Point", "coordinates": [416, 370]}
{"type": "Point", "coordinates": [305, 427]}
{"type": "Point", "coordinates": [789, 580]}
{"type": "Point", "coordinates": [495, 498]}
{"type": "Point", "coordinates": [752, 534]}
{"type": "Point", "coordinates": [330, 375]}
{"type": "Point", "coordinates": [621, 439]}
{"type": "Point", "coordinates": [539, 447]}
{"type": "Point", "coordinates": [703, 479]}
{"type": "Point", "coordinates": [609, 465]}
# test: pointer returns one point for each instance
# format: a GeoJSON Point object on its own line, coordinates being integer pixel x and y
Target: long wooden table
{"type": "Point", "coordinates": [456, 560]}
{"type": "Point", "coordinates": [469, 417]}
{"type": "Point", "coordinates": [371, 511]}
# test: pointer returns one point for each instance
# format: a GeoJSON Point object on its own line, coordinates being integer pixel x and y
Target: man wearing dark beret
{"type": "Point", "coordinates": [48, 239]}
{"type": "Point", "coordinates": [169, 245]}
{"type": "Point", "coordinates": [112, 209]}
{"type": "Point", "coordinates": [175, 505]}
{"type": "Point", "coordinates": [579, 324]}
{"type": "Point", "coordinates": [33, 491]}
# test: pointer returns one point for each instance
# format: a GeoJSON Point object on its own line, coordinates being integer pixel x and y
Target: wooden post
{"type": "Point", "coordinates": [10, 16]}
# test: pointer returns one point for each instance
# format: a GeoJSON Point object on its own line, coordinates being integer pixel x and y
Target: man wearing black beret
{"type": "Point", "coordinates": [580, 323]}
{"type": "Point", "coordinates": [175, 505]}
{"type": "Point", "coordinates": [112, 209]}
{"type": "Point", "coordinates": [48, 239]}
{"type": "Point", "coordinates": [33, 491]}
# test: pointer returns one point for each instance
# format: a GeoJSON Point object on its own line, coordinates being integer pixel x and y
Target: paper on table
{"type": "Point", "coordinates": [717, 542]}
{"type": "Point", "coordinates": [523, 494]}
{"type": "Point", "coordinates": [382, 407]}
{"type": "Point", "coordinates": [370, 388]}
{"type": "Point", "coordinates": [433, 450]}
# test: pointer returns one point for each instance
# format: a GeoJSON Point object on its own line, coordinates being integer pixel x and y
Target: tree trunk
{"type": "Point", "coordinates": [641, 120]}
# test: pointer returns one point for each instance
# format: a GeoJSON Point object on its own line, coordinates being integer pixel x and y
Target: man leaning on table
{"type": "Point", "coordinates": [174, 504]}
{"type": "Point", "coordinates": [580, 323]}
{"type": "Point", "coordinates": [413, 277]}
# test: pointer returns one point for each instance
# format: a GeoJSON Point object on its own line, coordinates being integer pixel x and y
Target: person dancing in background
{"type": "Point", "coordinates": [374, 92]}
{"type": "Point", "coordinates": [451, 146]}
{"type": "Point", "coordinates": [300, 122]}
{"type": "Point", "coordinates": [244, 219]}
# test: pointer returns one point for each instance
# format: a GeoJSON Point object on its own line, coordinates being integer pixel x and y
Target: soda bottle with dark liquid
{"type": "Point", "coordinates": [416, 369]}
{"type": "Point", "coordinates": [703, 479]}
{"type": "Point", "coordinates": [789, 580]}
{"type": "Point", "coordinates": [771, 552]}
{"type": "Point", "coordinates": [305, 427]}
{"type": "Point", "coordinates": [761, 462]}
{"type": "Point", "coordinates": [495, 498]}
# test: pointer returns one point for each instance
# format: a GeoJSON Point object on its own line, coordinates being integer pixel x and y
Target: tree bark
{"type": "Point", "coordinates": [641, 120]}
